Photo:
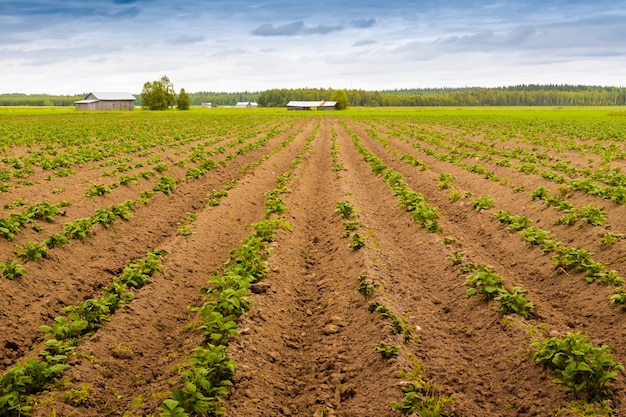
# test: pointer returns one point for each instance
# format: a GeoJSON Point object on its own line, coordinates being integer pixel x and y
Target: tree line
{"type": "Point", "coordinates": [520, 95]}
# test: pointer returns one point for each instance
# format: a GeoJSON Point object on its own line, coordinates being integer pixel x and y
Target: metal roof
{"type": "Point", "coordinates": [304, 104]}
{"type": "Point", "coordinates": [112, 96]}
{"type": "Point", "coordinates": [320, 103]}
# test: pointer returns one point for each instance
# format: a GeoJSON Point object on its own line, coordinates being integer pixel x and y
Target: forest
{"type": "Point", "coordinates": [520, 95]}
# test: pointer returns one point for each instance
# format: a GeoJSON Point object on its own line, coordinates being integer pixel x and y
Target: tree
{"type": "Point", "coordinates": [183, 100]}
{"type": "Point", "coordinates": [158, 95]}
{"type": "Point", "coordinates": [341, 98]}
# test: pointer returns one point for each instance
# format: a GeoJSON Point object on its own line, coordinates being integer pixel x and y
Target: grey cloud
{"type": "Point", "coordinates": [363, 23]}
{"type": "Point", "coordinates": [322, 29]}
{"type": "Point", "coordinates": [289, 29]}
{"type": "Point", "coordinates": [295, 28]}
{"type": "Point", "coordinates": [365, 43]}
{"type": "Point", "coordinates": [182, 40]}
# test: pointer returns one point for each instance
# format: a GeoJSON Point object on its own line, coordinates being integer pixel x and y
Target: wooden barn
{"type": "Point", "coordinates": [310, 105]}
{"type": "Point", "coordinates": [106, 101]}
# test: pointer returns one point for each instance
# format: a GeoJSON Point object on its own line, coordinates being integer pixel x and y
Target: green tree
{"type": "Point", "coordinates": [158, 95]}
{"type": "Point", "coordinates": [183, 100]}
{"type": "Point", "coordinates": [341, 98]}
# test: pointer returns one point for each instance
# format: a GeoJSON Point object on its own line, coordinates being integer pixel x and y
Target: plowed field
{"type": "Point", "coordinates": [306, 345]}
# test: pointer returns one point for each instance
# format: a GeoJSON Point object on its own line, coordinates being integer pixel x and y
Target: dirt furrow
{"type": "Point", "coordinates": [88, 264]}
{"type": "Point", "coordinates": [470, 352]}
{"type": "Point", "coordinates": [308, 347]}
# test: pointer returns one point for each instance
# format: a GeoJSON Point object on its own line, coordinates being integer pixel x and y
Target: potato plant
{"type": "Point", "coordinates": [583, 368]}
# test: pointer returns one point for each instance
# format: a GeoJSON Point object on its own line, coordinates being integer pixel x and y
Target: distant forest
{"type": "Point", "coordinates": [520, 95]}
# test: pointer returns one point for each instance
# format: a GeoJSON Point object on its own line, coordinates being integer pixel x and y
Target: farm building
{"type": "Point", "coordinates": [106, 101]}
{"type": "Point", "coordinates": [247, 105]}
{"type": "Point", "coordinates": [310, 105]}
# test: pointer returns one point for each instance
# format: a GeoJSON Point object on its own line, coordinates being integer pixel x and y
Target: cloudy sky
{"type": "Point", "coordinates": [77, 46]}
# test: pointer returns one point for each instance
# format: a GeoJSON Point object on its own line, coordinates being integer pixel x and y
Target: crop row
{"type": "Point", "coordinates": [595, 365]}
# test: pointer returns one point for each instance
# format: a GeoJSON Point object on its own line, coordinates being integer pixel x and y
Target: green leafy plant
{"type": "Point", "coordinates": [171, 408]}
{"type": "Point", "coordinates": [420, 399]}
{"type": "Point", "coordinates": [97, 190]}
{"type": "Point", "coordinates": [357, 241]}
{"type": "Point", "coordinates": [32, 251]}
{"type": "Point", "coordinates": [273, 203]}
{"type": "Point", "coordinates": [514, 301]}
{"type": "Point", "coordinates": [345, 208]}
{"type": "Point", "coordinates": [387, 351]}
{"type": "Point", "coordinates": [483, 203]}
{"type": "Point", "coordinates": [78, 229]}
{"type": "Point", "coordinates": [445, 180]}
{"type": "Point", "coordinates": [484, 283]}
{"type": "Point", "coordinates": [12, 270]}
{"type": "Point", "coordinates": [366, 286]}
{"type": "Point", "coordinates": [56, 241]}
{"type": "Point", "coordinates": [581, 367]}
{"type": "Point", "coordinates": [609, 239]}
{"type": "Point", "coordinates": [166, 185]}
{"type": "Point", "coordinates": [454, 196]}
{"type": "Point", "coordinates": [540, 193]}
{"type": "Point", "coordinates": [78, 396]}
{"type": "Point", "coordinates": [456, 257]}
{"type": "Point", "coordinates": [351, 225]}
{"type": "Point", "coordinates": [542, 238]}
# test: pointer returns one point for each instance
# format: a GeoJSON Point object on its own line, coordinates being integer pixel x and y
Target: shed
{"type": "Point", "coordinates": [106, 101]}
{"type": "Point", "coordinates": [310, 105]}
{"type": "Point", "coordinates": [247, 105]}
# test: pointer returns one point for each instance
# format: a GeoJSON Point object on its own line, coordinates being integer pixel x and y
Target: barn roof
{"type": "Point", "coordinates": [320, 103]}
{"type": "Point", "coordinates": [110, 96]}
{"type": "Point", "coordinates": [304, 104]}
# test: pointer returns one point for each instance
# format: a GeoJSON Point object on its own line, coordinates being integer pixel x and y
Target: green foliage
{"type": "Point", "coordinates": [171, 408]}
{"type": "Point", "coordinates": [345, 208]}
{"type": "Point", "coordinates": [619, 298]}
{"type": "Point", "coordinates": [581, 260]}
{"type": "Point", "coordinates": [97, 190]}
{"type": "Point", "coordinates": [9, 227]}
{"type": "Point", "coordinates": [78, 229]}
{"type": "Point", "coordinates": [542, 238]}
{"type": "Point", "coordinates": [595, 216]}
{"type": "Point", "coordinates": [357, 241]}
{"type": "Point", "coordinates": [484, 283]}
{"type": "Point", "coordinates": [540, 193]}
{"type": "Point", "coordinates": [12, 270]}
{"type": "Point", "coordinates": [158, 95]}
{"type": "Point", "coordinates": [420, 400]}
{"type": "Point", "coordinates": [266, 229]}
{"type": "Point", "coordinates": [515, 222]}
{"type": "Point", "coordinates": [341, 98]}
{"type": "Point", "coordinates": [454, 196]}
{"type": "Point", "coordinates": [32, 251]}
{"type": "Point", "coordinates": [445, 180]}
{"type": "Point", "coordinates": [456, 257]}
{"type": "Point", "coordinates": [386, 351]}
{"type": "Point", "coordinates": [78, 396]}
{"type": "Point", "coordinates": [581, 367]}
{"type": "Point", "coordinates": [166, 185]}
{"type": "Point", "coordinates": [483, 203]}
{"type": "Point", "coordinates": [609, 239]}
{"type": "Point", "coordinates": [366, 286]}
{"type": "Point", "coordinates": [514, 301]}
{"type": "Point", "coordinates": [273, 203]}
{"type": "Point", "coordinates": [184, 101]}
{"type": "Point", "coordinates": [398, 324]}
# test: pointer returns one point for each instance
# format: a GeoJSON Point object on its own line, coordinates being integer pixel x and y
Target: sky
{"type": "Point", "coordinates": [80, 46]}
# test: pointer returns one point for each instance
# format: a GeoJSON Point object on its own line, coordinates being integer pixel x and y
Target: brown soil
{"type": "Point", "coordinates": [306, 346]}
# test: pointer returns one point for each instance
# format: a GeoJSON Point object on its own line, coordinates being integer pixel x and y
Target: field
{"type": "Point", "coordinates": [380, 262]}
